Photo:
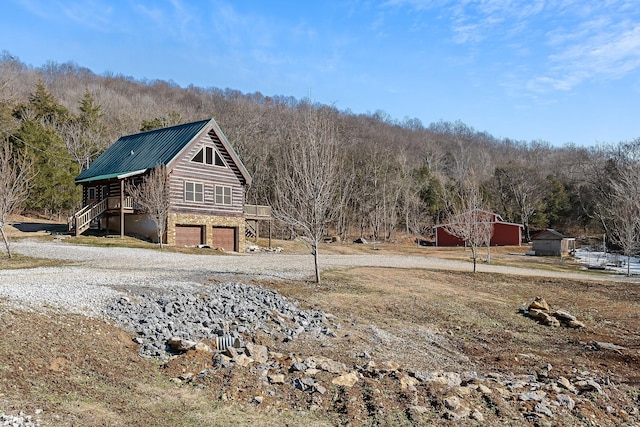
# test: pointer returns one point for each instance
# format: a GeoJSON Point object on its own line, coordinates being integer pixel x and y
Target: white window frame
{"type": "Point", "coordinates": [193, 192]}
{"type": "Point", "coordinates": [214, 156]}
{"type": "Point", "coordinates": [224, 195]}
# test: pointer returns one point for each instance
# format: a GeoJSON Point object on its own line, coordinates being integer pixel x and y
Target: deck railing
{"type": "Point", "coordinates": [81, 220]}
{"type": "Point", "coordinates": [258, 212]}
{"type": "Point", "coordinates": [114, 202]}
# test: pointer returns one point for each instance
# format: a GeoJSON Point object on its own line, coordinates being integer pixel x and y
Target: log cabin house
{"type": "Point", "coordinates": [207, 182]}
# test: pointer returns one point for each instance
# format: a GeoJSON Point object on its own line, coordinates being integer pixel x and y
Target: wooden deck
{"type": "Point", "coordinates": [257, 212]}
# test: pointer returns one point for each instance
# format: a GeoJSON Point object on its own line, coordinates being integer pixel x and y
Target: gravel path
{"type": "Point", "coordinates": [100, 274]}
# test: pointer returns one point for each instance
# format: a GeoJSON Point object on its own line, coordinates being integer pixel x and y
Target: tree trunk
{"type": "Point", "coordinates": [473, 255]}
{"type": "Point", "coordinates": [6, 241]}
{"type": "Point", "coordinates": [315, 260]}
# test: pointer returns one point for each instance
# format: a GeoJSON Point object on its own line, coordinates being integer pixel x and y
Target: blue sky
{"type": "Point", "coordinates": [558, 70]}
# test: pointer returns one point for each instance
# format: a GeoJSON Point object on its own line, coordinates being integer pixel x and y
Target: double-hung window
{"type": "Point", "coordinates": [193, 192]}
{"type": "Point", "coordinates": [223, 195]}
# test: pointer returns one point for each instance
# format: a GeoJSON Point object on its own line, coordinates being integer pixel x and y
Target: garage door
{"type": "Point", "coordinates": [225, 238]}
{"type": "Point", "coordinates": [188, 235]}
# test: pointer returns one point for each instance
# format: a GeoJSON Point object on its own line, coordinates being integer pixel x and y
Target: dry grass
{"type": "Point", "coordinates": [19, 261]}
{"type": "Point", "coordinates": [82, 371]}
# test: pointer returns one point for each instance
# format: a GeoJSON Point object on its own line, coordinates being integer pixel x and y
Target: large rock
{"type": "Point", "coordinates": [346, 380]}
{"type": "Point", "coordinates": [539, 304]}
{"type": "Point", "coordinates": [179, 344]}
{"type": "Point", "coordinates": [259, 353]}
{"type": "Point", "coordinates": [543, 317]}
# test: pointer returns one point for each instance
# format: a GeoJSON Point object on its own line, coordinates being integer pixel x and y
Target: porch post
{"type": "Point", "coordinates": [122, 208]}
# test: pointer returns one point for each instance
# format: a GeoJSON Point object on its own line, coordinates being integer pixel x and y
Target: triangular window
{"type": "Point", "coordinates": [198, 158]}
{"type": "Point", "coordinates": [219, 161]}
{"type": "Point", "coordinates": [209, 156]}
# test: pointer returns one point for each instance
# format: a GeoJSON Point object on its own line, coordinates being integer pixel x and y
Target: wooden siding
{"type": "Point", "coordinates": [185, 170]}
{"type": "Point", "coordinates": [504, 234]}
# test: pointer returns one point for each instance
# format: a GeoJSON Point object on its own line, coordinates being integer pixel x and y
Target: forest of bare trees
{"type": "Point", "coordinates": [392, 175]}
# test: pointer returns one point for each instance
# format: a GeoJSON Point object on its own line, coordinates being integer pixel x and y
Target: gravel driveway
{"type": "Point", "coordinates": [100, 274]}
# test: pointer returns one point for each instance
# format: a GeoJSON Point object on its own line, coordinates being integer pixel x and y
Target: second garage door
{"type": "Point", "coordinates": [188, 235]}
{"type": "Point", "coordinates": [225, 238]}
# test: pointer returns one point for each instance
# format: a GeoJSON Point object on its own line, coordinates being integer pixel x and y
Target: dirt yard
{"type": "Point", "coordinates": [73, 370]}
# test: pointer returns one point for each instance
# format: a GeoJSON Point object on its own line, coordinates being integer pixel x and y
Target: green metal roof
{"type": "Point", "coordinates": [142, 151]}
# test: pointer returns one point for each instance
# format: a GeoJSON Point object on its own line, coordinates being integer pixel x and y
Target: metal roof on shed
{"type": "Point", "coordinates": [141, 151]}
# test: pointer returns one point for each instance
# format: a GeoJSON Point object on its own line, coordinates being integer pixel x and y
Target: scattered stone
{"type": "Point", "coordinates": [186, 376]}
{"type": "Point", "coordinates": [539, 303]}
{"type": "Point", "coordinates": [243, 360]}
{"type": "Point", "coordinates": [259, 353]}
{"type": "Point", "coordinates": [298, 366]}
{"type": "Point", "coordinates": [423, 376]}
{"type": "Point", "coordinates": [543, 317]}
{"type": "Point", "coordinates": [535, 396]}
{"type": "Point", "coordinates": [563, 316]}
{"type": "Point", "coordinates": [319, 388]}
{"type": "Point", "coordinates": [460, 413]}
{"type": "Point", "coordinates": [331, 366]}
{"type": "Point", "coordinates": [608, 346]}
{"type": "Point", "coordinates": [575, 324]}
{"type": "Point", "coordinates": [484, 389]}
{"type": "Point", "coordinates": [543, 409]}
{"type": "Point", "coordinates": [276, 378]}
{"type": "Point", "coordinates": [202, 347]}
{"type": "Point", "coordinates": [588, 385]}
{"type": "Point", "coordinates": [179, 345]}
{"type": "Point", "coordinates": [539, 310]}
{"type": "Point", "coordinates": [389, 366]}
{"type": "Point", "coordinates": [346, 380]}
{"type": "Point", "coordinates": [452, 403]}
{"type": "Point", "coordinates": [407, 381]}
{"type": "Point", "coordinates": [477, 415]}
{"type": "Point", "coordinates": [565, 383]}
{"type": "Point", "coordinates": [565, 400]}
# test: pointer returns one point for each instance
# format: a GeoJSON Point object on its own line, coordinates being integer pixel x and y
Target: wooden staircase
{"type": "Point", "coordinates": [81, 220]}
{"type": "Point", "coordinates": [250, 228]}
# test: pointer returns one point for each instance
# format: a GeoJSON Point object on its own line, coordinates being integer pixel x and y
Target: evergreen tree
{"type": "Point", "coordinates": [42, 106]}
{"type": "Point", "coordinates": [53, 187]}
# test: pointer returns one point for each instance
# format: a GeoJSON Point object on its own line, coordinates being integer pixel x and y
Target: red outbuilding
{"type": "Point", "coordinates": [504, 233]}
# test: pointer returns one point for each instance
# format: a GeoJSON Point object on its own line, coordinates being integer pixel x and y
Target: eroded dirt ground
{"type": "Point", "coordinates": [81, 371]}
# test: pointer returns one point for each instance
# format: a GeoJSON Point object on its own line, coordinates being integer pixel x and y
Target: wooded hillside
{"type": "Point", "coordinates": [393, 175]}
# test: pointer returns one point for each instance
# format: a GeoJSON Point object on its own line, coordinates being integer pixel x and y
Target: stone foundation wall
{"type": "Point", "coordinates": [208, 222]}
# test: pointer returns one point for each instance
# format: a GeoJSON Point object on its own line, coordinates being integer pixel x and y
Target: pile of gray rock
{"type": "Point", "coordinates": [220, 310]}
{"type": "Point", "coordinates": [20, 420]}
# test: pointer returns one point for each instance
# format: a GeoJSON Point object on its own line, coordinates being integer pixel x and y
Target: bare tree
{"type": "Point", "coordinates": [307, 180]}
{"type": "Point", "coordinates": [16, 172]}
{"type": "Point", "coordinates": [83, 145]}
{"type": "Point", "coordinates": [470, 222]}
{"type": "Point", "coordinates": [151, 196]}
{"type": "Point", "coordinates": [520, 190]}
{"type": "Point", "coordinates": [624, 212]}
